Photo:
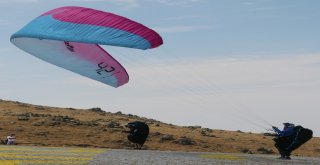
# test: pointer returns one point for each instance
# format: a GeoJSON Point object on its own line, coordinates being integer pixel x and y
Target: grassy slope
{"type": "Point", "coordinates": [49, 126]}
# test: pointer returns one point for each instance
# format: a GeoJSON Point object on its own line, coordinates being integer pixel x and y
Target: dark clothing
{"type": "Point", "coordinates": [138, 133]}
{"type": "Point", "coordinates": [287, 131]}
{"type": "Point", "coordinates": [281, 144]}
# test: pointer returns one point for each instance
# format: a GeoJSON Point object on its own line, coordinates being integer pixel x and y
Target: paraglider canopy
{"type": "Point", "coordinates": [69, 36]}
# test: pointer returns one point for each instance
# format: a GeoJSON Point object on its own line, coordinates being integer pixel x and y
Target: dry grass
{"type": "Point", "coordinates": [49, 126]}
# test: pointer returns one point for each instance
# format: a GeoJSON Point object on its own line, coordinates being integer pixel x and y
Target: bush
{"type": "Point", "coordinates": [185, 141]}
{"type": "Point", "coordinates": [263, 150]}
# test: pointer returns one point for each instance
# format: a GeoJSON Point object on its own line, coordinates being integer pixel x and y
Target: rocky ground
{"type": "Point", "coordinates": [31, 155]}
{"type": "Point", "coordinates": [144, 157]}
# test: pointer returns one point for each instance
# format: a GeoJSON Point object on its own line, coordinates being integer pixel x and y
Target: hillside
{"type": "Point", "coordinates": [50, 126]}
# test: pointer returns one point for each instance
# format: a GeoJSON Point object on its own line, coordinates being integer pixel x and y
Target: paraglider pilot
{"type": "Point", "coordinates": [138, 133]}
{"type": "Point", "coordinates": [11, 139]}
{"type": "Point", "coordinates": [282, 139]}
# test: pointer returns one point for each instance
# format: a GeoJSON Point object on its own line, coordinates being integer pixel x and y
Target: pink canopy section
{"type": "Point", "coordinates": [87, 16]}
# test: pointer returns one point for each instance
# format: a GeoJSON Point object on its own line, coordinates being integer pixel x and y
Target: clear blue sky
{"type": "Point", "coordinates": [225, 64]}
